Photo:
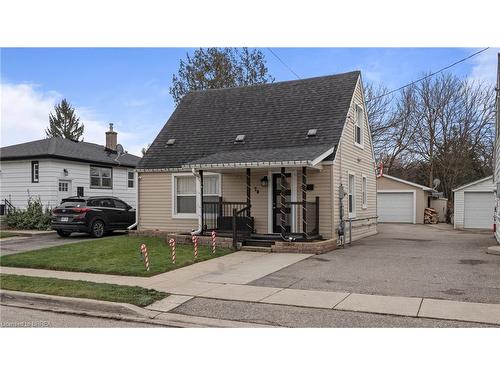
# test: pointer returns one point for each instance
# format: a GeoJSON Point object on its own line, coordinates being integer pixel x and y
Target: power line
{"type": "Point", "coordinates": [430, 75]}
{"type": "Point", "coordinates": [281, 61]}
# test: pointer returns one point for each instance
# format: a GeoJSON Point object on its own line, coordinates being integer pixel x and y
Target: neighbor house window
{"type": "Point", "coordinates": [130, 179]}
{"type": "Point", "coordinates": [358, 125]}
{"type": "Point", "coordinates": [63, 186]}
{"type": "Point", "coordinates": [35, 171]}
{"type": "Point", "coordinates": [185, 195]}
{"type": "Point", "coordinates": [364, 195]}
{"type": "Point", "coordinates": [351, 197]}
{"type": "Point", "coordinates": [101, 177]}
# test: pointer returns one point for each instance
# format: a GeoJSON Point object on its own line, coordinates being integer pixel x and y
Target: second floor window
{"type": "Point", "coordinates": [358, 125]}
{"type": "Point", "coordinates": [101, 177]}
{"type": "Point", "coordinates": [35, 172]}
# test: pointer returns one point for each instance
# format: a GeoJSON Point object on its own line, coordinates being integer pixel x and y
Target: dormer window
{"type": "Point", "coordinates": [240, 138]}
{"type": "Point", "coordinates": [311, 133]}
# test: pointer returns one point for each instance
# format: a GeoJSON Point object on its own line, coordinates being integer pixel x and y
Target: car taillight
{"type": "Point", "coordinates": [81, 210]}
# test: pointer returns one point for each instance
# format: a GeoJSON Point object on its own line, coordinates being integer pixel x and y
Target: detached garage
{"type": "Point", "coordinates": [474, 204]}
{"type": "Point", "coordinates": [401, 201]}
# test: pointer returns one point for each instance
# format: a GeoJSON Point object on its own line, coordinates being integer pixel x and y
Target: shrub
{"type": "Point", "coordinates": [33, 217]}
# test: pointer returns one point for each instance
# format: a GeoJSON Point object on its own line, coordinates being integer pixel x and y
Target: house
{"type": "Point", "coordinates": [474, 205]}
{"type": "Point", "coordinates": [277, 157]}
{"type": "Point", "coordinates": [56, 168]}
{"type": "Point", "coordinates": [496, 175]}
{"type": "Point", "coordinates": [401, 201]}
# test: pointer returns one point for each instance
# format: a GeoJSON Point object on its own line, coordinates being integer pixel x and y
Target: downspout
{"type": "Point", "coordinates": [136, 201]}
{"type": "Point", "coordinates": [198, 211]}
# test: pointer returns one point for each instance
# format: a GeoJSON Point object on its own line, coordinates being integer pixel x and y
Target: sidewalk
{"type": "Point", "coordinates": [226, 278]}
{"type": "Point", "coordinates": [29, 233]}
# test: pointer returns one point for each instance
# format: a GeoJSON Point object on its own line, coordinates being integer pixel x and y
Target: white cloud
{"type": "Point", "coordinates": [485, 66]}
{"type": "Point", "coordinates": [24, 116]}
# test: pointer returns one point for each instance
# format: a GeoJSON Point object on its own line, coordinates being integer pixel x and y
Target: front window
{"type": "Point", "coordinates": [351, 190]}
{"type": "Point", "coordinates": [130, 179]}
{"type": "Point", "coordinates": [211, 192]}
{"type": "Point", "coordinates": [101, 177]}
{"type": "Point", "coordinates": [185, 194]}
{"type": "Point", "coordinates": [358, 125]}
{"type": "Point", "coordinates": [35, 172]}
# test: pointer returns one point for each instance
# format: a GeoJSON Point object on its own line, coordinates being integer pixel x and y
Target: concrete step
{"type": "Point", "coordinates": [257, 249]}
{"type": "Point", "coordinates": [258, 243]}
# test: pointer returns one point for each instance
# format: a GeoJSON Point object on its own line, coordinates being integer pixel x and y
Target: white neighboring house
{"type": "Point", "coordinates": [496, 173]}
{"type": "Point", "coordinates": [57, 168]}
{"type": "Point", "coordinates": [474, 205]}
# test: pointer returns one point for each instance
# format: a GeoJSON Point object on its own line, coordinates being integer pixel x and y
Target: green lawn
{"type": "Point", "coordinates": [81, 289]}
{"type": "Point", "coordinates": [117, 255]}
{"type": "Point", "coordinates": [7, 234]}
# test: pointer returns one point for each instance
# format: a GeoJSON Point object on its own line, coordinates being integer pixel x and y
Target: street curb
{"type": "Point", "coordinates": [113, 310]}
{"type": "Point", "coordinates": [23, 234]}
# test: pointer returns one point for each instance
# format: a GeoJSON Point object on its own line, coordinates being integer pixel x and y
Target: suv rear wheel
{"type": "Point", "coordinates": [63, 233]}
{"type": "Point", "coordinates": [97, 229]}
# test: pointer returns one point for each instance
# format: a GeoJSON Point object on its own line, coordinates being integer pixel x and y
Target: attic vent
{"type": "Point", "coordinates": [171, 142]}
{"type": "Point", "coordinates": [240, 138]}
{"type": "Point", "coordinates": [311, 132]}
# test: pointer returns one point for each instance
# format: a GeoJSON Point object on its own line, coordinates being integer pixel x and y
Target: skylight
{"type": "Point", "coordinates": [171, 142]}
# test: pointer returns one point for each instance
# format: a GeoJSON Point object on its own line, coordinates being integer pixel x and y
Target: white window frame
{"type": "Point", "coordinates": [358, 108]}
{"type": "Point", "coordinates": [101, 167]}
{"type": "Point", "coordinates": [35, 171]}
{"type": "Point", "coordinates": [353, 213]}
{"type": "Point", "coordinates": [364, 192]}
{"type": "Point", "coordinates": [176, 215]}
{"type": "Point", "coordinates": [130, 179]}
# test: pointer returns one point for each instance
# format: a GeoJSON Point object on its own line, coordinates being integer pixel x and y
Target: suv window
{"type": "Point", "coordinates": [106, 203]}
{"type": "Point", "coordinates": [120, 204]}
{"type": "Point", "coordinates": [72, 203]}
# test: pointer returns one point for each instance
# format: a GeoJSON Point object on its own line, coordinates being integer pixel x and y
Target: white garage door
{"type": "Point", "coordinates": [478, 210]}
{"type": "Point", "coordinates": [395, 207]}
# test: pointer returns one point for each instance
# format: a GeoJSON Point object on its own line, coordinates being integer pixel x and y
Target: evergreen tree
{"type": "Point", "coordinates": [64, 122]}
{"type": "Point", "coordinates": [214, 68]}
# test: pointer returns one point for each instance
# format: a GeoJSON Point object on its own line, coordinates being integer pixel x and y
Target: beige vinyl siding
{"type": "Point", "coordinates": [358, 161]}
{"type": "Point", "coordinates": [384, 183]}
{"type": "Point", "coordinates": [155, 204]}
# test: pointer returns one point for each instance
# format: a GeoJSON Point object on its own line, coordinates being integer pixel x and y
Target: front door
{"type": "Point", "coordinates": [277, 200]}
{"type": "Point", "coordinates": [64, 190]}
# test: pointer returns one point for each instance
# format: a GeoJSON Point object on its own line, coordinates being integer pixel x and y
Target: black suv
{"type": "Point", "coordinates": [95, 215]}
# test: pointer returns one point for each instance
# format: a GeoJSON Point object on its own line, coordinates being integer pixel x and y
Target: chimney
{"type": "Point", "coordinates": [111, 138]}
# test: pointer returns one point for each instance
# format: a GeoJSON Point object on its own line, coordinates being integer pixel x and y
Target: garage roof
{"type": "Point", "coordinates": [474, 183]}
{"type": "Point", "coordinates": [425, 188]}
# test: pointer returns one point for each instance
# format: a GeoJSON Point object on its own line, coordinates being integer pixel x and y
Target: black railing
{"type": "Point", "coordinates": [219, 216]}
{"type": "Point", "coordinates": [295, 220]}
{"type": "Point", "coordinates": [7, 207]}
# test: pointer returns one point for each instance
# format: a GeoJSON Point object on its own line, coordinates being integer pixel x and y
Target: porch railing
{"type": "Point", "coordinates": [219, 216]}
{"type": "Point", "coordinates": [298, 223]}
{"type": "Point", "coordinates": [6, 208]}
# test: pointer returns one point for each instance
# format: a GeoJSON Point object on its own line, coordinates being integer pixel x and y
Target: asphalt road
{"type": "Point", "coordinates": [23, 244]}
{"type": "Point", "coordinates": [403, 260]}
{"type": "Point", "coordinates": [301, 317]}
{"type": "Point", "coordinates": [19, 318]}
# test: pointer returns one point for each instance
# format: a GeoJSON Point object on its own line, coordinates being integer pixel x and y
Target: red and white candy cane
{"type": "Point", "coordinates": [171, 242]}
{"type": "Point", "coordinates": [144, 251]}
{"type": "Point", "coordinates": [195, 243]}
{"type": "Point", "coordinates": [213, 241]}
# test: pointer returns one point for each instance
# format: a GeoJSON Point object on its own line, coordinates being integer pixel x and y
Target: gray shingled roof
{"type": "Point", "coordinates": [61, 148]}
{"type": "Point", "coordinates": [274, 118]}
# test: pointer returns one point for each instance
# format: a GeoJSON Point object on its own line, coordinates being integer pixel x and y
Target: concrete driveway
{"type": "Point", "coordinates": [13, 245]}
{"type": "Point", "coordinates": [403, 260]}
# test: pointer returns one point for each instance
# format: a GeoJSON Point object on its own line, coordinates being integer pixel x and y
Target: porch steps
{"type": "Point", "coordinates": [257, 249]}
{"type": "Point", "coordinates": [258, 242]}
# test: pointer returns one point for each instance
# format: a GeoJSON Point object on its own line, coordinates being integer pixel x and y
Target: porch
{"type": "Point", "coordinates": [259, 207]}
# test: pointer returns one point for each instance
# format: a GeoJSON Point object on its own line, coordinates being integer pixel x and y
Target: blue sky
{"type": "Point", "coordinates": [130, 86]}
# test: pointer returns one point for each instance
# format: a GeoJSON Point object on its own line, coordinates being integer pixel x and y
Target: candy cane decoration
{"type": "Point", "coordinates": [144, 251]}
{"type": "Point", "coordinates": [171, 242]}
{"type": "Point", "coordinates": [195, 243]}
{"type": "Point", "coordinates": [213, 242]}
